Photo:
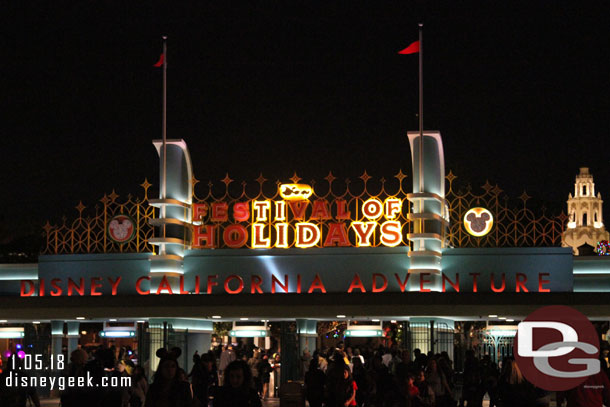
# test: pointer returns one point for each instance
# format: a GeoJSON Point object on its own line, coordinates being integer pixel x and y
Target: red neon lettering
{"type": "Point", "coordinates": [220, 212]}
{"type": "Point", "coordinates": [182, 291]}
{"type": "Point", "coordinates": [164, 285]}
{"type": "Point", "coordinates": [241, 211]}
{"type": "Point", "coordinates": [96, 282]}
{"type": "Point", "coordinates": [402, 284]}
{"type": "Point", "coordinates": [200, 211]}
{"type": "Point", "coordinates": [422, 281]}
{"type": "Point", "coordinates": [212, 282]}
{"type": "Point", "coordinates": [541, 282]}
{"type": "Point", "coordinates": [342, 212]}
{"type": "Point", "coordinates": [139, 289]}
{"type": "Point", "coordinates": [298, 209]}
{"type": "Point", "coordinates": [390, 233]}
{"type": "Point", "coordinates": [41, 287]}
{"type": "Point", "coordinates": [502, 287]}
{"type": "Point", "coordinates": [356, 283]}
{"type": "Point", "coordinates": [114, 284]}
{"type": "Point", "coordinates": [475, 287]}
{"type": "Point", "coordinates": [275, 281]}
{"type": "Point", "coordinates": [31, 288]}
{"type": "Point", "coordinates": [372, 209]}
{"type": "Point", "coordinates": [240, 286]}
{"type": "Point", "coordinates": [337, 235]}
{"type": "Point", "coordinates": [298, 284]}
{"type": "Point", "coordinates": [377, 289]}
{"type": "Point", "coordinates": [320, 210]}
{"type": "Point", "coordinates": [521, 279]}
{"type": "Point", "coordinates": [455, 286]}
{"type": "Point", "coordinates": [55, 284]}
{"type": "Point", "coordinates": [197, 283]}
{"type": "Point", "coordinates": [392, 207]}
{"type": "Point", "coordinates": [255, 284]}
{"type": "Point", "coordinates": [235, 236]}
{"type": "Point", "coordinates": [80, 289]}
{"type": "Point", "coordinates": [204, 237]}
{"type": "Point", "coordinates": [316, 285]}
{"type": "Point", "coordinates": [364, 230]}
{"type": "Point", "coordinates": [308, 234]}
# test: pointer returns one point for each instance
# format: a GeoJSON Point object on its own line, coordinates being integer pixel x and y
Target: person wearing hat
{"type": "Point", "coordinates": [167, 390]}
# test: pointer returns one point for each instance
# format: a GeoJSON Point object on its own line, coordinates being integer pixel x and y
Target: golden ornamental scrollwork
{"type": "Point", "coordinates": [88, 232]}
{"type": "Point", "coordinates": [515, 224]}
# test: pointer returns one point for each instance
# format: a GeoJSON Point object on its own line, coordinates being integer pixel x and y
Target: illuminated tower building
{"type": "Point", "coordinates": [585, 223]}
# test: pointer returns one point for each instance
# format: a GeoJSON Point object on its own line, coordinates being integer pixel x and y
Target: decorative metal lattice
{"type": "Point", "coordinates": [517, 226]}
{"type": "Point", "coordinates": [88, 233]}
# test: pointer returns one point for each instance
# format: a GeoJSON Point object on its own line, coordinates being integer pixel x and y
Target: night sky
{"type": "Point", "coordinates": [519, 90]}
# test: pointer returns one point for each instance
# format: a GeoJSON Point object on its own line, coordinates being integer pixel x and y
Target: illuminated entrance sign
{"type": "Point", "coordinates": [293, 220]}
{"type": "Point", "coordinates": [255, 284]}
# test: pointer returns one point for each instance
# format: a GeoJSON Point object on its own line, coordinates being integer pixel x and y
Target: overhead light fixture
{"type": "Point", "coordinates": [83, 332]}
{"type": "Point", "coordinates": [243, 319]}
{"type": "Point", "coordinates": [12, 333]}
{"type": "Point", "coordinates": [375, 320]}
{"type": "Point", "coordinates": [36, 322]}
{"type": "Point", "coordinates": [216, 316]}
{"type": "Point", "coordinates": [246, 333]}
{"type": "Point", "coordinates": [492, 316]}
{"type": "Point", "coordinates": [141, 322]}
{"type": "Point", "coordinates": [117, 334]}
{"type": "Point", "coordinates": [3, 321]}
{"type": "Point", "coordinates": [502, 318]}
{"type": "Point", "coordinates": [363, 333]}
{"type": "Point", "coordinates": [510, 320]}
{"type": "Point", "coordinates": [112, 320]}
{"type": "Point", "coordinates": [80, 318]}
{"type": "Point", "coordinates": [340, 316]}
{"type": "Point", "coordinates": [393, 321]}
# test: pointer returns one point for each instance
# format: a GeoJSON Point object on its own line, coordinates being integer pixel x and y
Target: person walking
{"type": "Point", "coordinates": [264, 369]}
{"type": "Point", "coordinates": [167, 389]}
{"type": "Point", "coordinates": [227, 356]}
{"type": "Point", "coordinates": [238, 388]}
{"type": "Point", "coordinates": [514, 389]}
{"type": "Point", "coordinates": [342, 392]}
{"type": "Point", "coordinates": [439, 385]}
{"type": "Point", "coordinates": [139, 387]}
{"type": "Point", "coordinates": [315, 380]}
{"type": "Point", "coordinates": [253, 364]}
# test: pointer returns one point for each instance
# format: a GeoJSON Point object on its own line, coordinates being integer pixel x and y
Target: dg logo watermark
{"type": "Point", "coordinates": [557, 348]}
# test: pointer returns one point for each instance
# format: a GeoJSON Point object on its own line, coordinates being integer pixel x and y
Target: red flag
{"type": "Point", "coordinates": [162, 58]}
{"type": "Point", "coordinates": [411, 49]}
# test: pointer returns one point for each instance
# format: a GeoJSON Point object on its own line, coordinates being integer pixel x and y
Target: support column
{"type": "Point", "coordinates": [73, 336]}
{"type": "Point", "coordinates": [57, 336]}
{"type": "Point", "coordinates": [308, 337]}
{"type": "Point", "coordinates": [430, 216]}
{"type": "Point", "coordinates": [289, 354]}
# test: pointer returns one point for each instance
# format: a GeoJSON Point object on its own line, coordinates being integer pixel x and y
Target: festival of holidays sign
{"type": "Point", "coordinates": [295, 220]}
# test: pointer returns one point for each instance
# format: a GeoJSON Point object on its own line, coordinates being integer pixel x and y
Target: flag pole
{"type": "Point", "coordinates": [421, 109]}
{"type": "Point", "coordinates": [164, 138]}
{"type": "Point", "coordinates": [164, 124]}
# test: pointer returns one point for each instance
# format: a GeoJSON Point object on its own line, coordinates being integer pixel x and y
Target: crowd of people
{"type": "Point", "coordinates": [334, 377]}
{"type": "Point", "coordinates": [391, 377]}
